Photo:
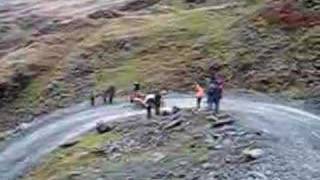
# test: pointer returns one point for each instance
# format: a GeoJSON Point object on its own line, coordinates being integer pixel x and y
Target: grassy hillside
{"type": "Point", "coordinates": [167, 45]}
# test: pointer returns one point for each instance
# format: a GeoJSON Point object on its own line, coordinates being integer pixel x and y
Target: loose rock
{"type": "Point", "coordinates": [212, 118]}
{"type": "Point", "coordinates": [223, 123]}
{"type": "Point", "coordinates": [253, 153]}
{"type": "Point", "coordinates": [70, 143]}
{"type": "Point", "coordinates": [157, 156]}
{"type": "Point", "coordinates": [103, 128]}
{"type": "Point", "coordinates": [173, 124]}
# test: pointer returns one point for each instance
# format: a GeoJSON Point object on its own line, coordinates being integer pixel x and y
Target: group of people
{"type": "Point", "coordinates": [213, 92]}
{"type": "Point", "coordinates": [212, 89]}
{"type": "Point", "coordinates": [107, 95]}
{"type": "Point", "coordinates": [148, 101]}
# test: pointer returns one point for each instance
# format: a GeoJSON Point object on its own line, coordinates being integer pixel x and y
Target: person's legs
{"type": "Point", "coordinates": [92, 101]}
{"type": "Point", "coordinates": [104, 99]}
{"type": "Point", "coordinates": [111, 99]}
{"type": "Point", "coordinates": [149, 114]}
{"type": "Point", "coordinates": [157, 109]}
{"type": "Point", "coordinates": [217, 105]}
{"type": "Point", "coordinates": [199, 99]}
{"type": "Point", "coordinates": [210, 103]}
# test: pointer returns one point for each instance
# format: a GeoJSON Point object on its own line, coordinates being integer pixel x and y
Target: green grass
{"type": "Point", "coordinates": [121, 77]}
{"type": "Point", "coordinates": [93, 140]}
{"type": "Point", "coordinates": [30, 96]}
{"type": "Point", "coordinates": [61, 162]}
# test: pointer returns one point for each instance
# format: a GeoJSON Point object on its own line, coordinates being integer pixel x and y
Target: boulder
{"type": "Point", "coordinates": [103, 128]}
{"type": "Point", "coordinates": [70, 143]}
{"type": "Point", "coordinates": [173, 124]}
{"type": "Point", "coordinates": [207, 166]}
{"type": "Point", "coordinates": [165, 112]}
{"type": "Point", "coordinates": [223, 116]}
{"type": "Point", "coordinates": [157, 156]}
{"type": "Point", "coordinates": [253, 153]}
{"type": "Point", "coordinates": [221, 123]}
{"type": "Point", "coordinates": [212, 118]}
{"type": "Point", "coordinates": [175, 117]}
{"type": "Point", "coordinates": [74, 174]}
{"type": "Point", "coordinates": [99, 152]}
{"type": "Point", "coordinates": [107, 14]}
{"type": "Point", "coordinates": [175, 109]}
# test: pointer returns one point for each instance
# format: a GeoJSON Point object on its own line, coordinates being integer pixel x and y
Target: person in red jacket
{"type": "Point", "coordinates": [199, 94]}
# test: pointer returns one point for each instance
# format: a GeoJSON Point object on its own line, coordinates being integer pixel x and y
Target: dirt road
{"type": "Point", "coordinates": [297, 130]}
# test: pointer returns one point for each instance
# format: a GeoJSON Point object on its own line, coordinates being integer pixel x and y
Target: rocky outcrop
{"type": "Point", "coordinates": [10, 87]}
{"type": "Point", "coordinates": [107, 14]}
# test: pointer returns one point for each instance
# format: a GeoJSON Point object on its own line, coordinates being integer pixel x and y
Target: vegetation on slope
{"type": "Point", "coordinates": [168, 45]}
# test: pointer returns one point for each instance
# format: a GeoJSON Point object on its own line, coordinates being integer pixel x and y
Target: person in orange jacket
{"type": "Point", "coordinates": [199, 94]}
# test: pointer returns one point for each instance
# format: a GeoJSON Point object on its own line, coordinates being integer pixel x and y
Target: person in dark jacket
{"type": "Point", "coordinates": [214, 94]}
{"type": "Point", "coordinates": [136, 86]}
{"type": "Point", "coordinates": [112, 92]}
{"type": "Point", "coordinates": [157, 103]}
{"type": "Point", "coordinates": [109, 94]}
{"type": "Point", "coordinates": [105, 96]}
{"type": "Point", "coordinates": [92, 99]}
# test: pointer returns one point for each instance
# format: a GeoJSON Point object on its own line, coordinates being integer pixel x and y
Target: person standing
{"type": "Point", "coordinates": [111, 93]}
{"type": "Point", "coordinates": [136, 87]}
{"type": "Point", "coordinates": [104, 96]}
{"type": "Point", "coordinates": [149, 102]}
{"type": "Point", "coordinates": [157, 102]}
{"type": "Point", "coordinates": [92, 98]}
{"type": "Point", "coordinates": [135, 93]}
{"type": "Point", "coordinates": [108, 95]}
{"type": "Point", "coordinates": [199, 94]}
{"type": "Point", "coordinates": [214, 95]}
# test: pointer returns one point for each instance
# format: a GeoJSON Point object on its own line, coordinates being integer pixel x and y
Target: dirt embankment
{"type": "Point", "coordinates": [55, 58]}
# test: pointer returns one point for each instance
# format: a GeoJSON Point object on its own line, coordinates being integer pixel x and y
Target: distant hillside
{"type": "Point", "coordinates": [50, 63]}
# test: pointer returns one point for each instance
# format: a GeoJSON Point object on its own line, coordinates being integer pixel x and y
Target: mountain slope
{"type": "Point", "coordinates": [60, 59]}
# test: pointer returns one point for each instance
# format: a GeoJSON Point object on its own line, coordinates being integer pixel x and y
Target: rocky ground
{"type": "Point", "coordinates": [185, 145]}
{"type": "Point", "coordinates": [52, 58]}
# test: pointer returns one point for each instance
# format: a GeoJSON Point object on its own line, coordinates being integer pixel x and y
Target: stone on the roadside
{"type": "Point", "coordinates": [180, 175]}
{"type": "Point", "coordinates": [197, 136]}
{"type": "Point", "coordinates": [157, 156]}
{"type": "Point", "coordinates": [115, 156]}
{"type": "Point", "coordinates": [215, 147]}
{"type": "Point", "coordinates": [212, 118]}
{"type": "Point", "coordinates": [74, 173]}
{"type": "Point", "coordinates": [70, 143]}
{"type": "Point", "coordinates": [253, 153]}
{"type": "Point", "coordinates": [99, 152]}
{"type": "Point", "coordinates": [183, 163]}
{"type": "Point", "coordinates": [222, 116]}
{"type": "Point", "coordinates": [173, 124]}
{"type": "Point", "coordinates": [165, 112]}
{"type": "Point", "coordinates": [223, 123]}
{"type": "Point", "coordinates": [103, 128]}
{"type": "Point", "coordinates": [175, 110]}
{"type": "Point", "coordinates": [207, 166]}
{"type": "Point", "coordinates": [175, 116]}
{"type": "Point", "coordinates": [108, 14]}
